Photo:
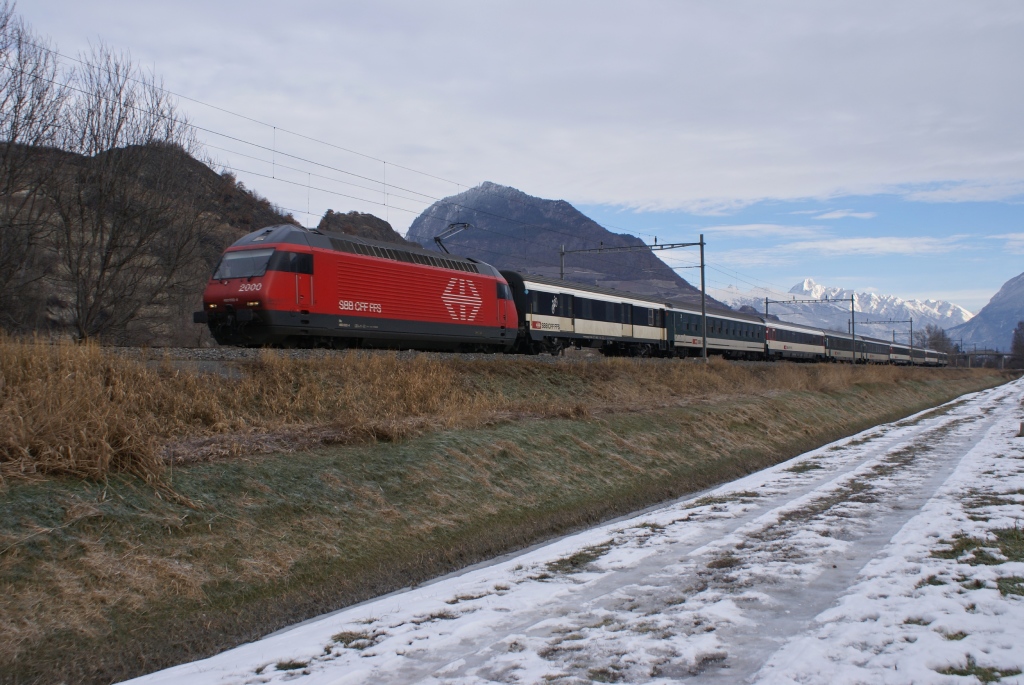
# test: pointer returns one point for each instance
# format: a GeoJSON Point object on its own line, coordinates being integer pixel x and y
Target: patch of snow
{"type": "Point", "coordinates": [819, 569]}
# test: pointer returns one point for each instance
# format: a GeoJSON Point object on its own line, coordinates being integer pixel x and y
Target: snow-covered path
{"type": "Point", "coordinates": [838, 566]}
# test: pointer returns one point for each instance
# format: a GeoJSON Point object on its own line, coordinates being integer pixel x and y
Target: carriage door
{"type": "Point", "coordinates": [302, 265]}
{"type": "Point", "coordinates": [669, 318]}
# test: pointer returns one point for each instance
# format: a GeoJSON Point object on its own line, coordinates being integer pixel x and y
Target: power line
{"type": "Point", "coordinates": [274, 151]}
{"type": "Point", "coordinates": [276, 128]}
{"type": "Point", "coordinates": [271, 177]}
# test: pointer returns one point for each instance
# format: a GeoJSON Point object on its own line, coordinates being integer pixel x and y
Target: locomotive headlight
{"type": "Point", "coordinates": [253, 303]}
{"type": "Point", "coordinates": [212, 306]}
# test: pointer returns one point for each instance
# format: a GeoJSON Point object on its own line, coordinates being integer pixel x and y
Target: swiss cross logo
{"type": "Point", "coordinates": [461, 299]}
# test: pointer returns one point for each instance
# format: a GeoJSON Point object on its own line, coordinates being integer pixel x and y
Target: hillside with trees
{"type": "Point", "coordinates": [109, 224]}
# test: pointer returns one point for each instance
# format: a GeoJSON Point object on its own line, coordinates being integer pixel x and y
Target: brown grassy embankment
{"type": "Point", "coordinates": [399, 468]}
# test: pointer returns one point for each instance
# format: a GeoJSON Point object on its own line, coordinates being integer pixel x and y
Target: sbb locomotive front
{"type": "Point", "coordinates": [289, 286]}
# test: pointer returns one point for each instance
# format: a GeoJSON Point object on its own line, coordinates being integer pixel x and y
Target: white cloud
{"type": "Point", "coordinates": [879, 246]}
{"type": "Point", "coordinates": [745, 258]}
{"type": "Point", "coordinates": [846, 214]}
{"type": "Point", "coordinates": [652, 105]}
{"type": "Point", "coordinates": [994, 191]}
{"type": "Point", "coordinates": [1014, 242]}
{"type": "Point", "coordinates": [766, 230]}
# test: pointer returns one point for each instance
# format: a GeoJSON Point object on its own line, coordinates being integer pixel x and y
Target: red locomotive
{"type": "Point", "coordinates": [289, 286]}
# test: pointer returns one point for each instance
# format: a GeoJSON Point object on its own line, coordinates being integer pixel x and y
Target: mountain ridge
{"type": "Point", "coordinates": [992, 327]}
{"type": "Point", "coordinates": [514, 230]}
{"type": "Point", "coordinates": [867, 305]}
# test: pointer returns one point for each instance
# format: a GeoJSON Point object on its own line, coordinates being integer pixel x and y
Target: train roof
{"type": "Point", "coordinates": [342, 242]}
{"type": "Point", "coordinates": [626, 294]}
{"type": "Point", "coordinates": [794, 326]}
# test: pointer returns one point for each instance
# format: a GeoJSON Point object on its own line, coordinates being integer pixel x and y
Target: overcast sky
{"type": "Point", "coordinates": [874, 145]}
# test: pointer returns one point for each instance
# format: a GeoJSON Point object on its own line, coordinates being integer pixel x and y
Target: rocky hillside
{"type": "Point", "coordinates": [993, 326]}
{"type": "Point", "coordinates": [361, 225]}
{"type": "Point", "coordinates": [513, 230]}
{"type": "Point", "coordinates": [868, 306]}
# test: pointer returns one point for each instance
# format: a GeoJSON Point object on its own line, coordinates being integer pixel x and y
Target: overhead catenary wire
{"type": "Point", "coordinates": [273, 149]}
{"type": "Point", "coordinates": [276, 128]}
{"type": "Point", "coordinates": [309, 187]}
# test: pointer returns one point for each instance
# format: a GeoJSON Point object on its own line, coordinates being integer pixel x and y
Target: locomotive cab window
{"type": "Point", "coordinates": [504, 292]}
{"type": "Point", "coordinates": [291, 262]}
{"type": "Point", "coordinates": [243, 264]}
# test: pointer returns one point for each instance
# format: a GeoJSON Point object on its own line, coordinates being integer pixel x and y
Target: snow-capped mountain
{"type": "Point", "coordinates": [868, 307]}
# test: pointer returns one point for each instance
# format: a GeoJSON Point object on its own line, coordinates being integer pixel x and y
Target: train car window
{"type": "Point", "coordinates": [565, 305]}
{"type": "Point", "coordinates": [586, 307]}
{"type": "Point", "coordinates": [543, 303]}
{"type": "Point", "coordinates": [243, 264]}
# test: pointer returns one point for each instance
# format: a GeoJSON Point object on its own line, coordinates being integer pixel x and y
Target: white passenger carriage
{"type": "Point", "coordinates": [874, 351]}
{"type": "Point", "coordinates": [795, 342]}
{"type": "Point", "coordinates": [730, 334]}
{"type": "Point", "coordinates": [555, 314]}
{"type": "Point", "coordinates": [899, 354]}
{"type": "Point", "coordinates": [558, 314]}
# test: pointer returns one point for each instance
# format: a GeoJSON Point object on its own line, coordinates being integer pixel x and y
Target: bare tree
{"type": "Point", "coordinates": [126, 227]}
{"type": "Point", "coordinates": [1017, 347]}
{"type": "Point", "coordinates": [33, 98]}
{"type": "Point", "coordinates": [935, 338]}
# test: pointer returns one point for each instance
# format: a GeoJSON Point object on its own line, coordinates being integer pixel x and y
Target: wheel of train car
{"type": "Point", "coordinates": [643, 350]}
{"type": "Point", "coordinates": [555, 347]}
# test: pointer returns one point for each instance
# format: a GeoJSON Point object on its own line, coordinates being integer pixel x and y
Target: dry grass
{"type": "Point", "coordinates": [85, 411]}
{"type": "Point", "coordinates": [102, 580]}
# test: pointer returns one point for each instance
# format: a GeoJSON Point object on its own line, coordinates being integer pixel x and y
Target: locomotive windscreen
{"type": "Point", "coordinates": [243, 264]}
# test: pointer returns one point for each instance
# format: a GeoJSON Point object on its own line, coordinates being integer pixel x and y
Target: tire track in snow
{"type": "Point", "coordinates": [704, 589]}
